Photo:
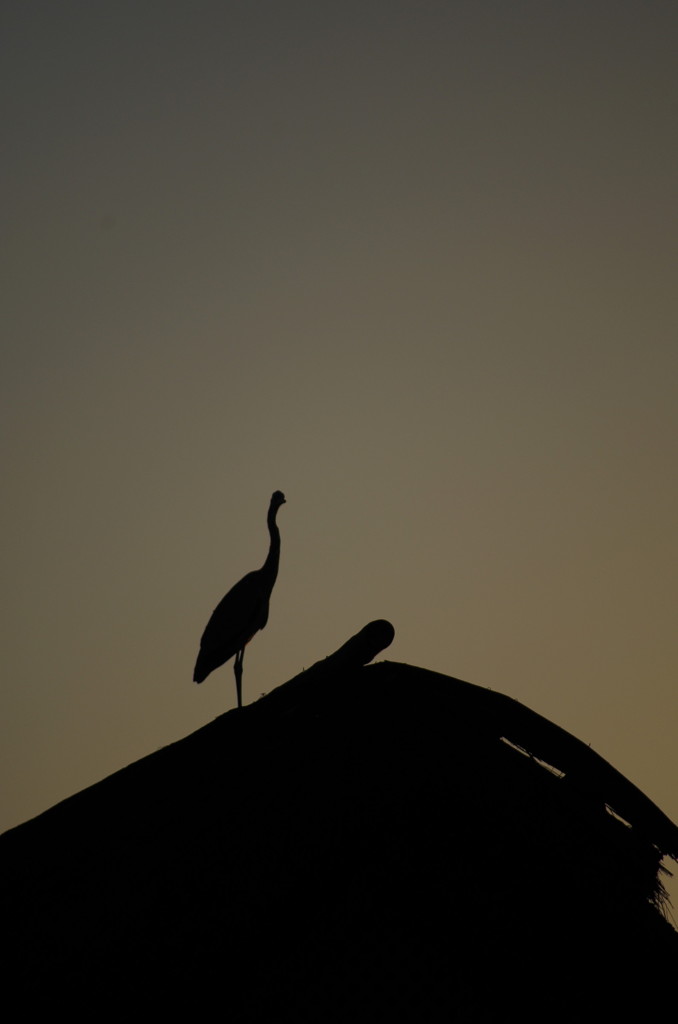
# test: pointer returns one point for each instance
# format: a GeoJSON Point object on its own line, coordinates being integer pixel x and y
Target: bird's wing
{"type": "Point", "coordinates": [237, 617]}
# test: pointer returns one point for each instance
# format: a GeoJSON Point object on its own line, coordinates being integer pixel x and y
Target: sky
{"type": "Point", "coordinates": [412, 263]}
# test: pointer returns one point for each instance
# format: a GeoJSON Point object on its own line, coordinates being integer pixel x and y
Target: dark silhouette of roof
{"type": "Point", "coordinates": [365, 843]}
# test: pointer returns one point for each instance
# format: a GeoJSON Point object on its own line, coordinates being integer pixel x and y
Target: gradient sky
{"type": "Point", "coordinates": [412, 263]}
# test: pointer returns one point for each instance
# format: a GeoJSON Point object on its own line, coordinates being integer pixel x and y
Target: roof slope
{"type": "Point", "coordinates": [361, 844]}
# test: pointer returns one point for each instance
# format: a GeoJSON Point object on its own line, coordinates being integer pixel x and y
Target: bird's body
{"type": "Point", "coordinates": [242, 612]}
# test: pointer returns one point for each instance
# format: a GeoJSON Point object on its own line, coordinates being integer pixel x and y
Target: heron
{"type": "Point", "coordinates": [242, 612]}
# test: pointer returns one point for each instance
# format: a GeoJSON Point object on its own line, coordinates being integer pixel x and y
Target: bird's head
{"type": "Point", "coordinates": [277, 499]}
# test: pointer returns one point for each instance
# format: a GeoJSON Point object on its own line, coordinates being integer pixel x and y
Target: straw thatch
{"type": "Point", "coordinates": [365, 843]}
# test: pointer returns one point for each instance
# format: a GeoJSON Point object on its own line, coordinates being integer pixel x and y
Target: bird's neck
{"type": "Point", "coordinates": [271, 564]}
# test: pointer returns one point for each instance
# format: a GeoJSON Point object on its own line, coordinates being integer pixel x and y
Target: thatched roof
{"type": "Point", "coordinates": [365, 843]}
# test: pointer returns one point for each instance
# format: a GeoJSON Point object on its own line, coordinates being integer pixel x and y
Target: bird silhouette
{"type": "Point", "coordinates": [242, 612]}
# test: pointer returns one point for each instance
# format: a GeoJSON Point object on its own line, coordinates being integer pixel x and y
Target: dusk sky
{"type": "Point", "coordinates": [412, 263]}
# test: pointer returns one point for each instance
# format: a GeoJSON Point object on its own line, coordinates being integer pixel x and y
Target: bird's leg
{"type": "Point", "coordinates": [237, 668]}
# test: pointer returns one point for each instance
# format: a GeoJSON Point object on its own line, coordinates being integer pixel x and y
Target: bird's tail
{"type": "Point", "coordinates": [201, 671]}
